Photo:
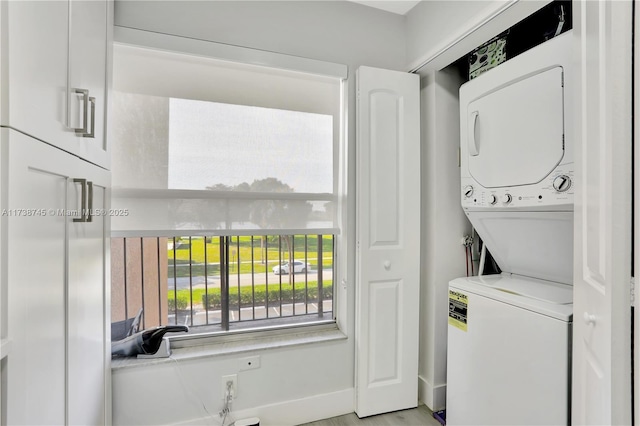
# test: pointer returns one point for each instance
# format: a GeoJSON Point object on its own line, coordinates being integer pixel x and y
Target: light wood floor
{"type": "Point", "coordinates": [420, 416]}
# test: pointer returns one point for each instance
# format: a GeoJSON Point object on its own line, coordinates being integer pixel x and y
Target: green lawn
{"type": "Point", "coordinates": [240, 252]}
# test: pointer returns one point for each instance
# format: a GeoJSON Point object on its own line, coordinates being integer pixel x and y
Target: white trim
{"type": "Point", "coordinates": [227, 52]}
{"type": "Point", "coordinates": [636, 219]}
{"type": "Point", "coordinates": [223, 232]}
{"type": "Point", "coordinates": [204, 346]}
{"type": "Point", "coordinates": [270, 336]}
{"type": "Point", "coordinates": [471, 34]}
{"type": "Point", "coordinates": [433, 396]}
{"type": "Point", "coordinates": [465, 31]}
{"type": "Point", "coordinates": [294, 412]}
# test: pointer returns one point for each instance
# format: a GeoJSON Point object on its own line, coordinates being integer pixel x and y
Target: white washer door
{"type": "Point", "coordinates": [515, 134]}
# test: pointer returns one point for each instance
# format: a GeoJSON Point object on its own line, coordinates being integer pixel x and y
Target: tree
{"type": "Point", "coordinates": [267, 212]}
{"type": "Point", "coordinates": [271, 213]}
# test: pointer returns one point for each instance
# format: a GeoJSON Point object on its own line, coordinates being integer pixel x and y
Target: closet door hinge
{"type": "Point", "coordinates": [632, 287]}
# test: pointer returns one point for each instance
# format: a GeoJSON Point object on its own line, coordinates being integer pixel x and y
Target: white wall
{"type": "Point", "coordinates": [440, 32]}
{"type": "Point", "coordinates": [290, 387]}
{"type": "Point", "coordinates": [334, 31]}
{"type": "Point", "coordinates": [432, 25]}
{"type": "Point", "coordinates": [443, 226]}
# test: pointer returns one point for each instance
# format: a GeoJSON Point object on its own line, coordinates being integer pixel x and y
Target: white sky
{"type": "Point", "coordinates": [212, 143]}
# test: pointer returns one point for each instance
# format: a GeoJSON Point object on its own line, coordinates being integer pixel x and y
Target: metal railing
{"type": "Point", "coordinates": [222, 281]}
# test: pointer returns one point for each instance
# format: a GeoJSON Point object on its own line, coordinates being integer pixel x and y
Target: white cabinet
{"type": "Point", "coordinates": [88, 346]}
{"type": "Point", "coordinates": [34, 39]}
{"type": "Point", "coordinates": [53, 66]}
{"type": "Point", "coordinates": [88, 37]}
{"type": "Point", "coordinates": [57, 370]}
{"type": "Point", "coordinates": [35, 268]}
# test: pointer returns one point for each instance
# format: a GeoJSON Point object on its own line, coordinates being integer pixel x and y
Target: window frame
{"type": "Point", "coordinates": [181, 45]}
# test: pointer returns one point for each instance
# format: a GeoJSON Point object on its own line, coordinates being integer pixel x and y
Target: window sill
{"type": "Point", "coordinates": [251, 343]}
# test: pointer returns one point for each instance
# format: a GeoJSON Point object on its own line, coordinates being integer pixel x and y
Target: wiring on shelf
{"type": "Point", "coordinates": [227, 403]}
{"type": "Point", "coordinates": [467, 242]}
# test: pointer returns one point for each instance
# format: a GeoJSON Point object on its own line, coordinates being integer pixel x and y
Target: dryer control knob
{"type": "Point", "coordinates": [506, 198]}
{"type": "Point", "coordinates": [468, 191]}
{"type": "Point", "coordinates": [562, 183]}
{"type": "Point", "coordinates": [493, 199]}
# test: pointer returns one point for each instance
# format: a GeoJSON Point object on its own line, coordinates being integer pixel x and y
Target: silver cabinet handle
{"type": "Point", "coordinates": [88, 122]}
{"type": "Point", "coordinates": [83, 183]}
{"type": "Point", "coordinates": [86, 202]}
{"type": "Point", "coordinates": [85, 111]}
{"type": "Point", "coordinates": [91, 134]}
{"type": "Point", "coordinates": [89, 218]}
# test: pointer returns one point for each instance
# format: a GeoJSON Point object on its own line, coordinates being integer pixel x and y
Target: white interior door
{"type": "Point", "coordinates": [601, 345]}
{"type": "Point", "coordinates": [388, 247]}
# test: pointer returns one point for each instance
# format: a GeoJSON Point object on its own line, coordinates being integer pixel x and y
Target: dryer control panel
{"type": "Point", "coordinates": [555, 191]}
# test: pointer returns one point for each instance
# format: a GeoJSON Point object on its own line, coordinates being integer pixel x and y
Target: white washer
{"type": "Point", "coordinates": [508, 353]}
{"type": "Point", "coordinates": [508, 360]}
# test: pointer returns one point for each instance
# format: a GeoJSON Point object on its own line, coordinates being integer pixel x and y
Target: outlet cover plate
{"type": "Point", "coordinates": [233, 378]}
{"type": "Point", "coordinates": [249, 363]}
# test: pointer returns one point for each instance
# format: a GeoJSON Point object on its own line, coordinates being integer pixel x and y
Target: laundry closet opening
{"type": "Point", "coordinates": [445, 224]}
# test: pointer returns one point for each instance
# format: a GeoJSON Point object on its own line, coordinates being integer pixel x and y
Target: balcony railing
{"type": "Point", "coordinates": [216, 283]}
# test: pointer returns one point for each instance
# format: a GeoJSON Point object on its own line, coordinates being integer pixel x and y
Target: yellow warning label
{"type": "Point", "coordinates": [458, 305]}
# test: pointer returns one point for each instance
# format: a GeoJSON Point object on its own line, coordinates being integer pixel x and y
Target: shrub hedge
{"type": "Point", "coordinates": [212, 300]}
{"type": "Point", "coordinates": [181, 303]}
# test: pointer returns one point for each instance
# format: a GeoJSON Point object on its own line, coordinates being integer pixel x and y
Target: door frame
{"type": "Point", "coordinates": [484, 27]}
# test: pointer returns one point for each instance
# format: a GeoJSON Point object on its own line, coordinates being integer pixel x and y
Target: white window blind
{"type": "Point", "coordinates": [211, 147]}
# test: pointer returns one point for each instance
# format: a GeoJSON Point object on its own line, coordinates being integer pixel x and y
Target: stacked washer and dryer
{"type": "Point", "coordinates": [509, 335]}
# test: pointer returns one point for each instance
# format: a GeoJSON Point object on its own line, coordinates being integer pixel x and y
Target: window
{"type": "Point", "coordinates": [228, 174]}
{"type": "Point", "coordinates": [222, 283]}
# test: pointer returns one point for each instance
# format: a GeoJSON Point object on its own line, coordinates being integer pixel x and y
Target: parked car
{"type": "Point", "coordinates": [298, 266]}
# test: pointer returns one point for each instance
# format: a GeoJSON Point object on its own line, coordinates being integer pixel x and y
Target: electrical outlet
{"type": "Point", "coordinates": [233, 380]}
{"type": "Point", "coordinates": [249, 363]}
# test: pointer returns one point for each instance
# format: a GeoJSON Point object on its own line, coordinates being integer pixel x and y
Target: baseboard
{"type": "Point", "coordinates": [434, 397]}
{"type": "Point", "coordinates": [295, 412]}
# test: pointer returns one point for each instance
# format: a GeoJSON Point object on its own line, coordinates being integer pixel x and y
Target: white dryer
{"type": "Point", "coordinates": [509, 334]}
{"type": "Point", "coordinates": [517, 161]}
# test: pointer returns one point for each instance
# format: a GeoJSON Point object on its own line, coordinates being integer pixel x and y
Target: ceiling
{"type": "Point", "coordinates": [400, 7]}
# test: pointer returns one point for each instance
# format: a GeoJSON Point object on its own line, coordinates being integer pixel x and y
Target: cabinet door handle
{"type": "Point", "coordinates": [92, 134]}
{"type": "Point", "coordinates": [89, 217]}
{"type": "Point", "coordinates": [83, 209]}
{"type": "Point", "coordinates": [85, 111]}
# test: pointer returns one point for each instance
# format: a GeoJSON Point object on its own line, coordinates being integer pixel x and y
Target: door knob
{"type": "Point", "coordinates": [387, 265]}
{"type": "Point", "coordinates": [589, 319]}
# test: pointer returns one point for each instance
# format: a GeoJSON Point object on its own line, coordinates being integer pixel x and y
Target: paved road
{"type": "Point", "coordinates": [245, 279]}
